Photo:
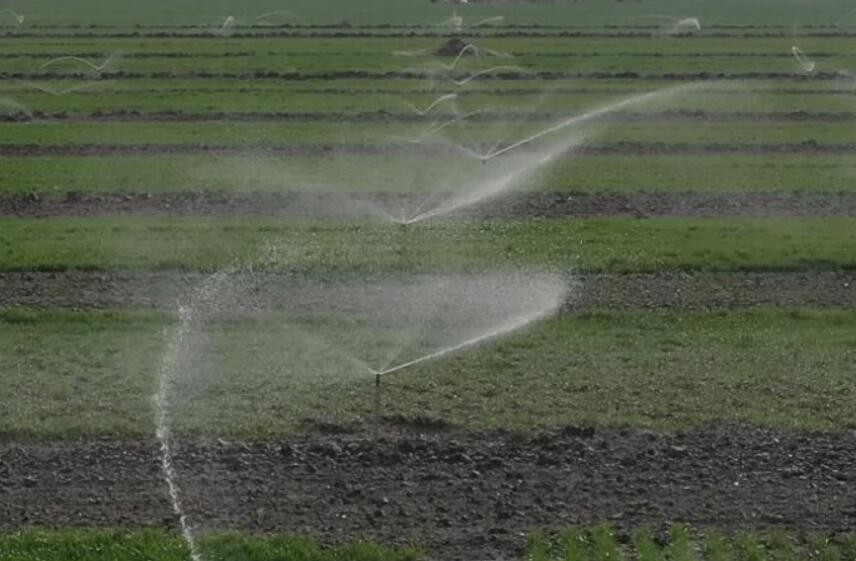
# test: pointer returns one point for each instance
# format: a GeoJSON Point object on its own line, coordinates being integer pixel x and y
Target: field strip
{"type": "Point", "coordinates": [667, 55]}
{"type": "Point", "coordinates": [621, 148]}
{"type": "Point", "coordinates": [416, 75]}
{"type": "Point", "coordinates": [333, 33]}
{"type": "Point", "coordinates": [697, 291]}
{"type": "Point", "coordinates": [329, 247]}
{"type": "Point", "coordinates": [344, 206]}
{"type": "Point", "coordinates": [455, 487]}
{"type": "Point", "coordinates": [685, 115]}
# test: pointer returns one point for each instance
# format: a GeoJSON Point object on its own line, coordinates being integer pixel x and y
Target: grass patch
{"type": "Point", "coordinates": [619, 245]}
{"type": "Point", "coordinates": [598, 543]}
{"type": "Point", "coordinates": [681, 543]}
{"type": "Point", "coordinates": [662, 371]}
{"type": "Point", "coordinates": [409, 173]}
{"type": "Point", "coordinates": [330, 133]}
{"type": "Point", "coordinates": [88, 545]}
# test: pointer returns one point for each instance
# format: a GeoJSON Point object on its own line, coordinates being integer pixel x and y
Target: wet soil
{"type": "Point", "coordinates": [462, 496]}
{"type": "Point", "coordinates": [350, 206]}
{"type": "Point", "coordinates": [622, 148]}
{"type": "Point", "coordinates": [383, 116]}
{"type": "Point", "coordinates": [345, 32]}
{"type": "Point", "coordinates": [511, 75]}
{"type": "Point", "coordinates": [664, 291]}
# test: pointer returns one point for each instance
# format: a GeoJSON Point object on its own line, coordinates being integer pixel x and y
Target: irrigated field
{"type": "Point", "coordinates": [251, 217]}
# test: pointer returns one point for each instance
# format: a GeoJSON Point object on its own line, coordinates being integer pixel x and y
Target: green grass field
{"type": "Point", "coordinates": [92, 374]}
{"type": "Point", "coordinates": [577, 544]}
{"type": "Point", "coordinates": [324, 248]}
{"type": "Point", "coordinates": [325, 101]}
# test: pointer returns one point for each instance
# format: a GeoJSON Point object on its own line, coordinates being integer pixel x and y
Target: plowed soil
{"type": "Point", "coordinates": [674, 291]}
{"type": "Point", "coordinates": [332, 205]}
{"type": "Point", "coordinates": [463, 496]}
{"type": "Point", "coordinates": [616, 149]}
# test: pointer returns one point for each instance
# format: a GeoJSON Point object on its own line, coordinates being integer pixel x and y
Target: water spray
{"type": "Point", "coordinates": [97, 68]}
{"type": "Point", "coordinates": [227, 27]}
{"type": "Point", "coordinates": [57, 91]}
{"type": "Point", "coordinates": [433, 129]}
{"type": "Point", "coordinates": [481, 73]}
{"type": "Point", "coordinates": [259, 18]}
{"type": "Point", "coordinates": [501, 179]}
{"type": "Point", "coordinates": [806, 63]}
{"type": "Point", "coordinates": [579, 119]}
{"type": "Point", "coordinates": [163, 433]}
{"type": "Point", "coordinates": [555, 292]}
{"type": "Point", "coordinates": [454, 22]}
{"type": "Point", "coordinates": [19, 18]}
{"type": "Point", "coordinates": [171, 365]}
{"type": "Point", "coordinates": [11, 108]}
{"type": "Point", "coordinates": [435, 103]}
{"type": "Point", "coordinates": [469, 48]}
{"type": "Point", "coordinates": [686, 23]}
{"type": "Point", "coordinates": [489, 21]}
{"type": "Point", "coordinates": [678, 24]}
{"type": "Point", "coordinates": [420, 52]}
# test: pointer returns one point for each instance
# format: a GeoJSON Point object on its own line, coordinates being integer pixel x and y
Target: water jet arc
{"type": "Point", "coordinates": [584, 118]}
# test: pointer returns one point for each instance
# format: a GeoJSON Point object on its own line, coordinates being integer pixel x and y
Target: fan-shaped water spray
{"type": "Point", "coordinates": [97, 69]}
{"type": "Point", "coordinates": [523, 159]}
{"type": "Point", "coordinates": [17, 19]}
{"type": "Point", "coordinates": [272, 341]}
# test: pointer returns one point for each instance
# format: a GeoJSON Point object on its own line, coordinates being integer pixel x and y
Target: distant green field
{"type": "Point", "coordinates": [195, 12]}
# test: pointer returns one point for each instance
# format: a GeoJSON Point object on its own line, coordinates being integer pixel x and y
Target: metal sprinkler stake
{"type": "Point", "coordinates": [377, 398]}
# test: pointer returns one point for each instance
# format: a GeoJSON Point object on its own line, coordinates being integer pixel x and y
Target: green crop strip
{"type": "Point", "coordinates": [92, 374]}
{"type": "Point", "coordinates": [617, 245]}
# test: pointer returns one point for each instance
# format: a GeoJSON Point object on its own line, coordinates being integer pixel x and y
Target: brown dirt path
{"type": "Point", "coordinates": [332, 205]}
{"type": "Point", "coordinates": [463, 496]}
{"type": "Point", "coordinates": [664, 291]}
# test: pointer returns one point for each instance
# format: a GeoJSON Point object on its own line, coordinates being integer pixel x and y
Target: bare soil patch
{"type": "Point", "coordinates": [664, 291]}
{"type": "Point", "coordinates": [334, 206]}
{"type": "Point", "coordinates": [621, 148]}
{"type": "Point", "coordinates": [463, 496]}
{"type": "Point", "coordinates": [383, 116]}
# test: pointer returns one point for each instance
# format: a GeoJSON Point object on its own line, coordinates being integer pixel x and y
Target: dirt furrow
{"type": "Point", "coordinates": [507, 75]}
{"type": "Point", "coordinates": [667, 291]}
{"type": "Point", "coordinates": [351, 206]}
{"type": "Point", "coordinates": [383, 116]}
{"type": "Point", "coordinates": [463, 496]}
{"type": "Point", "coordinates": [428, 149]}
